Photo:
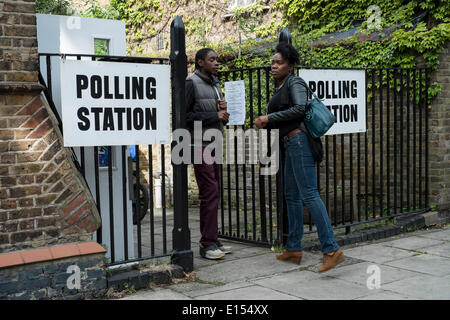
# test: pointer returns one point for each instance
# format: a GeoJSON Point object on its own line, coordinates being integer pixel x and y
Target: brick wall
{"type": "Point", "coordinates": [43, 198]}
{"type": "Point", "coordinates": [439, 136]}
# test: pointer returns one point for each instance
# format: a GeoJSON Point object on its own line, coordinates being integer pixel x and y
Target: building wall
{"type": "Point", "coordinates": [43, 198]}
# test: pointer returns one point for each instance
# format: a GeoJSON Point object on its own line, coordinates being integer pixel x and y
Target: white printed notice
{"type": "Point", "coordinates": [344, 93]}
{"type": "Point", "coordinates": [235, 97]}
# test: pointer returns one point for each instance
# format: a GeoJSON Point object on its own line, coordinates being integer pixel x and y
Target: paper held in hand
{"type": "Point", "coordinates": [235, 97]}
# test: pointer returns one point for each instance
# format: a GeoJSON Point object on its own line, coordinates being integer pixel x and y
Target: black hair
{"type": "Point", "coordinates": [288, 52]}
{"type": "Point", "coordinates": [201, 55]}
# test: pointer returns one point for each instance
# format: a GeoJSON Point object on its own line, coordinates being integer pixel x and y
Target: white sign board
{"type": "Point", "coordinates": [235, 97]}
{"type": "Point", "coordinates": [344, 93]}
{"type": "Point", "coordinates": [113, 103]}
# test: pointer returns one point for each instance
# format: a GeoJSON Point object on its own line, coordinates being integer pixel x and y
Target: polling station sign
{"type": "Point", "coordinates": [344, 93]}
{"type": "Point", "coordinates": [113, 103]}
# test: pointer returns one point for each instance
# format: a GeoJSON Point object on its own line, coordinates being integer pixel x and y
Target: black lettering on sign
{"type": "Point", "coordinates": [345, 113]}
{"type": "Point", "coordinates": [354, 92]}
{"type": "Point", "coordinates": [82, 84]}
{"type": "Point", "coordinates": [120, 112]}
{"type": "Point", "coordinates": [138, 87]}
{"type": "Point", "coordinates": [150, 118]}
{"type": "Point", "coordinates": [108, 95]}
{"type": "Point", "coordinates": [96, 112]}
{"type": "Point", "coordinates": [150, 91]}
{"type": "Point", "coordinates": [85, 124]}
{"type": "Point", "coordinates": [138, 118]}
{"type": "Point", "coordinates": [108, 120]}
{"type": "Point", "coordinates": [127, 87]}
{"type": "Point", "coordinates": [117, 94]}
{"type": "Point", "coordinates": [96, 87]}
{"type": "Point", "coordinates": [312, 86]}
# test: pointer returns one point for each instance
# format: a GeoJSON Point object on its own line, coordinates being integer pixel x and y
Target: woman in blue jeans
{"type": "Point", "coordinates": [286, 111]}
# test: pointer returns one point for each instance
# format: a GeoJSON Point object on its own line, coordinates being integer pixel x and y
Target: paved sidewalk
{"type": "Point", "coordinates": [414, 266]}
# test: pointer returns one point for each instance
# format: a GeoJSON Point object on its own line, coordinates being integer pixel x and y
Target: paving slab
{"type": "Point", "coordinates": [313, 286]}
{"type": "Point", "coordinates": [253, 292]}
{"type": "Point", "coordinates": [157, 294]}
{"type": "Point", "coordinates": [424, 263]}
{"type": "Point", "coordinates": [244, 268]}
{"type": "Point", "coordinates": [377, 253]}
{"type": "Point", "coordinates": [219, 287]}
{"type": "Point", "coordinates": [438, 235]}
{"type": "Point", "coordinates": [357, 273]}
{"type": "Point", "coordinates": [422, 287]}
{"type": "Point", "coordinates": [379, 294]}
{"type": "Point", "coordinates": [442, 250]}
{"type": "Point", "coordinates": [412, 243]}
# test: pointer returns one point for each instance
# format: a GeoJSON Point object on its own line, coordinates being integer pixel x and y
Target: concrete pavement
{"type": "Point", "coordinates": [414, 265]}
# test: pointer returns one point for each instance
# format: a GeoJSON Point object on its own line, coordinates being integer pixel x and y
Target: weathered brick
{"type": "Point", "coordinates": [75, 203]}
{"type": "Point", "coordinates": [8, 158]}
{"type": "Point", "coordinates": [26, 225]}
{"type": "Point", "coordinates": [32, 107]}
{"type": "Point", "coordinates": [3, 216]}
{"type": "Point", "coordinates": [52, 151]}
{"type": "Point", "coordinates": [41, 115]}
{"type": "Point", "coordinates": [21, 133]}
{"type": "Point", "coordinates": [19, 192]}
{"type": "Point", "coordinates": [28, 157]}
{"type": "Point", "coordinates": [7, 134]}
{"type": "Point", "coordinates": [20, 31]}
{"type": "Point", "coordinates": [26, 168]}
{"type": "Point", "coordinates": [17, 121]}
{"type": "Point", "coordinates": [7, 181]}
{"type": "Point", "coordinates": [28, 19]}
{"type": "Point", "coordinates": [8, 110]}
{"type": "Point", "coordinates": [50, 210]}
{"type": "Point", "coordinates": [26, 202]}
{"type": "Point", "coordinates": [8, 204]}
{"type": "Point", "coordinates": [8, 226]}
{"type": "Point", "coordinates": [3, 194]}
{"type": "Point", "coordinates": [4, 238]}
{"type": "Point", "coordinates": [25, 213]}
{"type": "Point", "coordinates": [25, 236]}
{"type": "Point", "coordinates": [18, 99]}
{"type": "Point", "coordinates": [3, 146]}
{"type": "Point", "coordinates": [21, 76]}
{"type": "Point", "coordinates": [64, 196]}
{"type": "Point", "coordinates": [79, 213]}
{"type": "Point", "coordinates": [53, 232]}
{"type": "Point", "coordinates": [30, 124]}
{"type": "Point", "coordinates": [19, 7]}
{"type": "Point", "coordinates": [45, 200]}
{"type": "Point", "coordinates": [40, 145]}
{"type": "Point", "coordinates": [23, 180]}
{"type": "Point", "coordinates": [57, 188]}
{"type": "Point", "coordinates": [46, 222]}
{"type": "Point", "coordinates": [21, 145]}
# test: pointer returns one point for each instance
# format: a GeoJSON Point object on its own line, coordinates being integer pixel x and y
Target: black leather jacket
{"type": "Point", "coordinates": [286, 108]}
{"type": "Point", "coordinates": [286, 111]}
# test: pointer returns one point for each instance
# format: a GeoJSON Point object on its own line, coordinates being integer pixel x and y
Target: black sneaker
{"type": "Point", "coordinates": [211, 252]}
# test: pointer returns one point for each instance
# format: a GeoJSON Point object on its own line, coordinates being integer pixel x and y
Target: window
{"type": "Point", "coordinates": [101, 46]}
{"type": "Point", "coordinates": [233, 4]}
{"type": "Point", "coordinates": [160, 41]}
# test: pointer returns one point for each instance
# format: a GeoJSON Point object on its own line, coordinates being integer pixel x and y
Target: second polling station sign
{"type": "Point", "coordinates": [344, 93]}
{"type": "Point", "coordinates": [112, 103]}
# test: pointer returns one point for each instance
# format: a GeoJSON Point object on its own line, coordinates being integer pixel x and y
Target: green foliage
{"type": "Point", "coordinates": [59, 7]}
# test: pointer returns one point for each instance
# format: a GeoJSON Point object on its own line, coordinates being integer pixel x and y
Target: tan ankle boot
{"type": "Point", "coordinates": [331, 260]}
{"type": "Point", "coordinates": [291, 256]}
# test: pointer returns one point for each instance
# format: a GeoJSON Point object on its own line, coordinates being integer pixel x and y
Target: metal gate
{"type": "Point", "coordinates": [364, 177]}
{"type": "Point", "coordinates": [128, 237]}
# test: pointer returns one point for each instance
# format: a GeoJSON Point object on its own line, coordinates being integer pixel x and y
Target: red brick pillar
{"type": "Point", "coordinates": [44, 200]}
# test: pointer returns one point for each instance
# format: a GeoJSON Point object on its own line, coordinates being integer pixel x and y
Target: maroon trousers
{"type": "Point", "coordinates": [208, 181]}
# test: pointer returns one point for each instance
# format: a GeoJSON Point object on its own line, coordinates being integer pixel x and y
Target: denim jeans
{"type": "Point", "coordinates": [301, 185]}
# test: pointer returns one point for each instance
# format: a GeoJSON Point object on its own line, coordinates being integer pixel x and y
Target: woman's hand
{"type": "Point", "coordinates": [261, 121]}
